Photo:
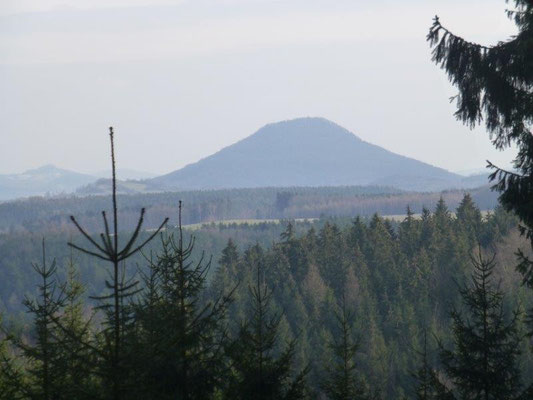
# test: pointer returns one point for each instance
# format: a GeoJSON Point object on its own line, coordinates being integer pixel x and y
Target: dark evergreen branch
{"type": "Point", "coordinates": [133, 236]}
{"type": "Point", "coordinates": [89, 252]}
{"type": "Point", "coordinates": [138, 248]}
{"type": "Point", "coordinates": [87, 236]}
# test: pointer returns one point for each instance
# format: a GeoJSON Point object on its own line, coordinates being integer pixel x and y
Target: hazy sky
{"type": "Point", "coordinates": [180, 80]}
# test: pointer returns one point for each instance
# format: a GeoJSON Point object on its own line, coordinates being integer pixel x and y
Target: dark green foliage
{"type": "Point", "coordinates": [496, 85]}
{"type": "Point", "coordinates": [396, 277]}
{"type": "Point", "coordinates": [484, 362]}
{"type": "Point", "coordinates": [72, 330]}
{"type": "Point", "coordinates": [11, 377]}
{"type": "Point", "coordinates": [428, 384]}
{"type": "Point", "coordinates": [181, 338]}
{"type": "Point", "coordinates": [43, 355]}
{"type": "Point", "coordinates": [394, 283]}
{"type": "Point", "coordinates": [257, 372]}
{"type": "Point", "coordinates": [342, 381]}
{"type": "Point", "coordinates": [44, 215]}
{"type": "Point", "coordinates": [113, 355]}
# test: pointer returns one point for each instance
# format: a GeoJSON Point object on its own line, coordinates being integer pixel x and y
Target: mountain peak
{"type": "Point", "coordinates": [307, 152]}
{"type": "Point", "coordinates": [306, 126]}
{"type": "Point", "coordinates": [43, 169]}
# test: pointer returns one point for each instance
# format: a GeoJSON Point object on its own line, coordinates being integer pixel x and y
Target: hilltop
{"type": "Point", "coordinates": [308, 152]}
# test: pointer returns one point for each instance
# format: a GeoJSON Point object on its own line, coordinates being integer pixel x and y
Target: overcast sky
{"type": "Point", "coordinates": [180, 80]}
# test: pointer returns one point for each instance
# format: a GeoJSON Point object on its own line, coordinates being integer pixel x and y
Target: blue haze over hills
{"type": "Point", "coordinates": [299, 152]}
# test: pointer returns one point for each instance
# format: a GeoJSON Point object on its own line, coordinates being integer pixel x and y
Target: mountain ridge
{"type": "Point", "coordinates": [47, 179]}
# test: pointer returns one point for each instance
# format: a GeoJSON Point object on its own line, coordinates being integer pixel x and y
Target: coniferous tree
{"type": "Point", "coordinates": [257, 372]}
{"type": "Point", "coordinates": [42, 355]}
{"type": "Point", "coordinates": [428, 384]}
{"type": "Point", "coordinates": [342, 381]}
{"type": "Point", "coordinates": [186, 335]}
{"type": "Point", "coordinates": [12, 380]}
{"type": "Point", "coordinates": [116, 304]}
{"type": "Point", "coordinates": [72, 329]}
{"type": "Point", "coordinates": [469, 218]}
{"type": "Point", "coordinates": [496, 86]}
{"type": "Point", "coordinates": [228, 269]}
{"type": "Point", "coordinates": [409, 231]}
{"type": "Point", "coordinates": [484, 362]}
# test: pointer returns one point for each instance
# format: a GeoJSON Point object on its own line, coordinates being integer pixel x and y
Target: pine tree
{"type": "Point", "coordinates": [115, 305]}
{"type": "Point", "coordinates": [484, 363]}
{"type": "Point", "coordinates": [257, 372]}
{"type": "Point", "coordinates": [496, 86]}
{"type": "Point", "coordinates": [342, 381]}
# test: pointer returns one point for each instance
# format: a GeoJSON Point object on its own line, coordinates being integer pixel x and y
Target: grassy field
{"type": "Point", "coordinates": [393, 217]}
{"type": "Point", "coordinates": [243, 222]}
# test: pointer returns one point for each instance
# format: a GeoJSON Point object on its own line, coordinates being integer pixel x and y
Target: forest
{"type": "Point", "coordinates": [46, 215]}
{"type": "Point", "coordinates": [369, 300]}
{"type": "Point", "coordinates": [326, 300]}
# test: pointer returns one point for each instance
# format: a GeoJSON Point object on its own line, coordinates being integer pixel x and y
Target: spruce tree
{"type": "Point", "coordinates": [495, 85]}
{"type": "Point", "coordinates": [116, 305]}
{"type": "Point", "coordinates": [342, 381]}
{"type": "Point", "coordinates": [469, 218]}
{"type": "Point", "coordinates": [257, 372]}
{"type": "Point", "coordinates": [42, 355]}
{"type": "Point", "coordinates": [428, 384]}
{"type": "Point", "coordinates": [484, 361]}
{"type": "Point", "coordinates": [186, 335]}
{"type": "Point", "coordinates": [72, 329]}
{"type": "Point", "coordinates": [409, 232]}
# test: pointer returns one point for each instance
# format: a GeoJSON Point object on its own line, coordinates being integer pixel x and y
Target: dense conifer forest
{"type": "Point", "coordinates": [45, 215]}
{"type": "Point", "coordinates": [294, 297]}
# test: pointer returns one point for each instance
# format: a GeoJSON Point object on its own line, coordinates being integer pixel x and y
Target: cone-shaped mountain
{"type": "Point", "coordinates": [307, 152]}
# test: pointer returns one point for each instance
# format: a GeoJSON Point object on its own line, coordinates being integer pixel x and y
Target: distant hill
{"type": "Point", "coordinates": [125, 174]}
{"type": "Point", "coordinates": [104, 185]}
{"type": "Point", "coordinates": [44, 180]}
{"type": "Point", "coordinates": [308, 152]}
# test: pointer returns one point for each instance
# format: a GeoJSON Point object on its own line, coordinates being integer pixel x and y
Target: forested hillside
{"type": "Point", "coordinates": [44, 215]}
{"type": "Point", "coordinates": [397, 281]}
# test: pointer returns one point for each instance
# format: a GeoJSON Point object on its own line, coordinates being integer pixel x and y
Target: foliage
{"type": "Point", "coordinates": [484, 361]}
{"type": "Point", "coordinates": [396, 277]}
{"type": "Point", "coordinates": [496, 86]}
{"type": "Point", "coordinates": [257, 372]}
{"type": "Point", "coordinates": [181, 340]}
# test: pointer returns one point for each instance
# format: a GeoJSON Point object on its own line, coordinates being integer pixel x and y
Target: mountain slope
{"type": "Point", "coordinates": [47, 179]}
{"type": "Point", "coordinates": [307, 152]}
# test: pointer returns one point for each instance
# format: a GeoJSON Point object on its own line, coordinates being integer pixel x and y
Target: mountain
{"type": "Point", "coordinates": [44, 180]}
{"type": "Point", "coordinates": [474, 171]}
{"type": "Point", "coordinates": [104, 185]}
{"type": "Point", "coordinates": [308, 152]}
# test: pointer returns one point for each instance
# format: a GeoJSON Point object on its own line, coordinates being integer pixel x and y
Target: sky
{"type": "Point", "coordinates": [180, 80]}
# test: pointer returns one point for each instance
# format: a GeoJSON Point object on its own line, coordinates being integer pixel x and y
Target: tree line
{"type": "Point", "coordinates": [52, 215]}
